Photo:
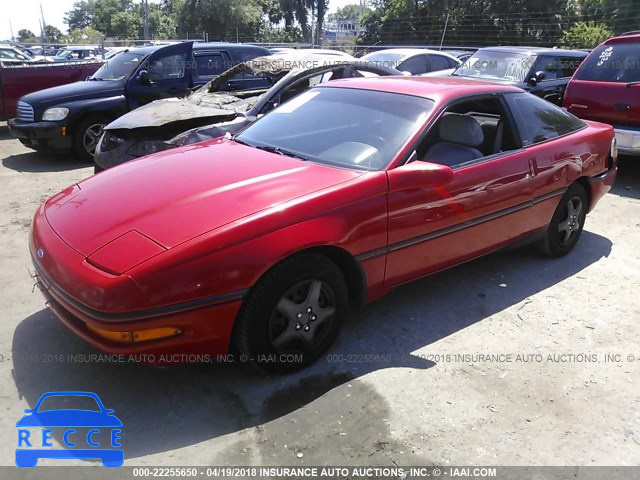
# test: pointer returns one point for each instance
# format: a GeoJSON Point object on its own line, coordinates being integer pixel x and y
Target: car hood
{"type": "Point", "coordinates": [174, 196]}
{"type": "Point", "coordinates": [162, 112]}
{"type": "Point", "coordinates": [75, 91]}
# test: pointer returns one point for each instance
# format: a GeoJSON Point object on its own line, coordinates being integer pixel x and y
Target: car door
{"type": "Point", "coordinates": [484, 206]}
{"type": "Point", "coordinates": [539, 122]}
{"type": "Point", "coordinates": [165, 73]}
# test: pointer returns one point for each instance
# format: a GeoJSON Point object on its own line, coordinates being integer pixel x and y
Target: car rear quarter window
{"type": "Point", "coordinates": [538, 120]}
{"type": "Point", "coordinates": [439, 62]}
{"type": "Point", "coordinates": [414, 65]}
{"type": "Point", "coordinates": [617, 62]}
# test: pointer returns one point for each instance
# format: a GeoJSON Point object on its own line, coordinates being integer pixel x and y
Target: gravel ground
{"type": "Point", "coordinates": [549, 395]}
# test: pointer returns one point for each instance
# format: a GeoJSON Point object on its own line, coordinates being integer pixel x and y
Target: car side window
{"type": "Point", "coordinates": [568, 66]}
{"type": "Point", "coordinates": [468, 131]}
{"type": "Point", "coordinates": [414, 65]}
{"type": "Point", "coordinates": [538, 120]}
{"type": "Point", "coordinates": [438, 62]}
{"type": "Point", "coordinates": [550, 65]}
{"type": "Point", "coordinates": [170, 67]}
{"type": "Point", "coordinates": [211, 63]}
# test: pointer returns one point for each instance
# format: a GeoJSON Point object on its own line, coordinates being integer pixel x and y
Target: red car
{"type": "Point", "coordinates": [261, 243]}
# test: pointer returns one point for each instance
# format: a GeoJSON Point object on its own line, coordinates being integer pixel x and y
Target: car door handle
{"type": "Point", "coordinates": [622, 107]}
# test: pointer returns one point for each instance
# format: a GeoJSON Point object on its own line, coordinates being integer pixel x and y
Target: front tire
{"type": "Point", "coordinates": [566, 224]}
{"type": "Point", "coordinates": [293, 314]}
{"type": "Point", "coordinates": [86, 137]}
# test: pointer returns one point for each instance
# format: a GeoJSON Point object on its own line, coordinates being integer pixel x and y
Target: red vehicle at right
{"type": "Point", "coordinates": [606, 88]}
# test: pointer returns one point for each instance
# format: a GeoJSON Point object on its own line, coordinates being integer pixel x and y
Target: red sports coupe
{"type": "Point", "coordinates": [261, 243]}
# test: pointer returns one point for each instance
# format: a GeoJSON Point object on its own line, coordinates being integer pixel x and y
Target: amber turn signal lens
{"type": "Point", "coordinates": [136, 336]}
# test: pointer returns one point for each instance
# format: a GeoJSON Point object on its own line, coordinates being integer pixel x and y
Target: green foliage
{"type": "Point", "coordinates": [25, 35]}
{"type": "Point", "coordinates": [348, 12]}
{"type": "Point", "coordinates": [585, 35]}
{"type": "Point", "coordinates": [81, 15]}
{"type": "Point", "coordinates": [288, 34]}
{"type": "Point", "coordinates": [52, 34]}
{"type": "Point", "coordinates": [84, 35]}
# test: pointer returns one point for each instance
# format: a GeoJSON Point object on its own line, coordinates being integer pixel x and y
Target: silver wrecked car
{"type": "Point", "coordinates": [211, 112]}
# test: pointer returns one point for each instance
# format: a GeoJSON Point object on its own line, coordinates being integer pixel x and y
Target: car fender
{"type": "Point", "coordinates": [110, 107]}
{"type": "Point", "coordinates": [235, 256]}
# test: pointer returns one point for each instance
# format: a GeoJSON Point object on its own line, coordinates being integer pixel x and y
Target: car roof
{"type": "Point", "coordinates": [535, 50]}
{"type": "Point", "coordinates": [435, 88]}
{"type": "Point", "coordinates": [407, 52]}
{"type": "Point", "coordinates": [626, 38]}
{"type": "Point", "coordinates": [204, 46]}
{"type": "Point", "coordinates": [230, 46]}
{"type": "Point", "coordinates": [80, 47]}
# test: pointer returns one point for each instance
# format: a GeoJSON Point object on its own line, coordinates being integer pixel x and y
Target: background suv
{"type": "Point", "coordinates": [606, 88]}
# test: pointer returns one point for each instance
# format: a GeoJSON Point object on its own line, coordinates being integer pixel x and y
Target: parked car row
{"type": "Point", "coordinates": [71, 117]}
{"type": "Point", "coordinates": [279, 194]}
{"type": "Point", "coordinates": [210, 113]}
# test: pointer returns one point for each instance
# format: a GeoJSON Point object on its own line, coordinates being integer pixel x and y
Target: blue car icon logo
{"type": "Point", "coordinates": [86, 432]}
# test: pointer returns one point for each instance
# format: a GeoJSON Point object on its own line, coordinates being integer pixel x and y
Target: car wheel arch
{"type": "Point", "coordinates": [586, 185]}
{"type": "Point", "coordinates": [345, 261]}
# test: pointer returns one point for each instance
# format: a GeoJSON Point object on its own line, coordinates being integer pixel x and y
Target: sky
{"type": "Point", "coordinates": [26, 13]}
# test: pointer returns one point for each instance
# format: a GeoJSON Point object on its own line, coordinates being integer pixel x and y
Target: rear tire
{"type": "Point", "coordinates": [292, 315]}
{"type": "Point", "coordinates": [86, 136]}
{"type": "Point", "coordinates": [566, 224]}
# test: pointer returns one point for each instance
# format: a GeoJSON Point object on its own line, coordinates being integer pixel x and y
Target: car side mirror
{"type": "Point", "coordinates": [419, 174]}
{"type": "Point", "coordinates": [144, 77]}
{"type": "Point", "coordinates": [537, 77]}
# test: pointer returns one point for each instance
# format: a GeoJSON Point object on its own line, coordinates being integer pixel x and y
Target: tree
{"type": "Point", "coordinates": [585, 35]}
{"type": "Point", "coordinates": [106, 11]}
{"type": "Point", "coordinates": [348, 12]}
{"type": "Point", "coordinates": [84, 35]}
{"type": "Point", "coordinates": [81, 16]}
{"type": "Point", "coordinates": [25, 35]}
{"type": "Point", "coordinates": [222, 19]}
{"type": "Point", "coordinates": [125, 25]}
{"type": "Point", "coordinates": [52, 34]}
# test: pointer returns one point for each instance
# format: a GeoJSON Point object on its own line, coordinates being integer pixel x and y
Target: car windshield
{"type": "Point", "coordinates": [507, 66]}
{"type": "Point", "coordinates": [118, 67]}
{"type": "Point", "coordinates": [612, 63]}
{"type": "Point", "coordinates": [359, 129]}
{"type": "Point", "coordinates": [10, 54]}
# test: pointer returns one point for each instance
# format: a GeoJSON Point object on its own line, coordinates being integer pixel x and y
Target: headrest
{"type": "Point", "coordinates": [461, 129]}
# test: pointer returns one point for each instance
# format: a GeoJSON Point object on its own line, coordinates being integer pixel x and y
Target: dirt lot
{"type": "Point", "coordinates": [548, 396]}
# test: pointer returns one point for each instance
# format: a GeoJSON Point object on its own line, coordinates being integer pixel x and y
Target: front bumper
{"type": "Point", "coordinates": [41, 135]}
{"type": "Point", "coordinates": [628, 141]}
{"type": "Point", "coordinates": [78, 294]}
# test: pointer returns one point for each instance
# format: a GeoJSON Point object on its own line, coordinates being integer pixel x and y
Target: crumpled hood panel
{"type": "Point", "coordinates": [162, 112]}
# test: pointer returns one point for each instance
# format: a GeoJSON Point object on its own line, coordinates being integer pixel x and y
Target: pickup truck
{"type": "Point", "coordinates": [19, 80]}
{"type": "Point", "coordinates": [72, 117]}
